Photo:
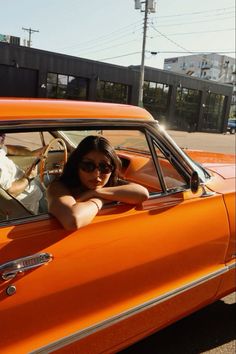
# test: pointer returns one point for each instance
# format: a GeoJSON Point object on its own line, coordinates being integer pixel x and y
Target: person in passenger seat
{"type": "Point", "coordinates": [20, 184]}
{"type": "Point", "coordinates": [89, 180]}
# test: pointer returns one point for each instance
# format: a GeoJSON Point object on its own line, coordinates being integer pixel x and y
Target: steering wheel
{"type": "Point", "coordinates": [55, 168]}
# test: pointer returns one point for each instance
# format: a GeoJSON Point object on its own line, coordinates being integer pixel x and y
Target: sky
{"type": "Point", "coordinates": [111, 31]}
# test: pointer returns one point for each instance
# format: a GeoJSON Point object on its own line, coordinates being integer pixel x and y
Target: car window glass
{"type": "Point", "coordinates": [171, 176]}
{"type": "Point", "coordinates": [30, 140]}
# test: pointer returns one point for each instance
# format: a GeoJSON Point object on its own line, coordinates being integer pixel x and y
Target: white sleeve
{"type": "Point", "coordinates": [8, 172]}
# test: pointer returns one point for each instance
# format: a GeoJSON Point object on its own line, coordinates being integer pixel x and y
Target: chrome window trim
{"type": "Point", "coordinates": [24, 220]}
{"type": "Point", "coordinates": [131, 312]}
{"type": "Point", "coordinates": [156, 163]}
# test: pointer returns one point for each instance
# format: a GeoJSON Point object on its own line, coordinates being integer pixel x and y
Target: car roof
{"type": "Point", "coordinates": [18, 109]}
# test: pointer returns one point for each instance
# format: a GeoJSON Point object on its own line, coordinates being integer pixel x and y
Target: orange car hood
{"type": "Point", "coordinates": [222, 164]}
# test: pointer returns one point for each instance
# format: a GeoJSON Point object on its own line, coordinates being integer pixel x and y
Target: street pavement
{"type": "Point", "coordinates": [225, 143]}
{"type": "Point", "coordinates": [213, 329]}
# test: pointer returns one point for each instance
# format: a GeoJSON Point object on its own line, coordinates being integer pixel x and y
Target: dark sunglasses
{"type": "Point", "coordinates": [89, 166]}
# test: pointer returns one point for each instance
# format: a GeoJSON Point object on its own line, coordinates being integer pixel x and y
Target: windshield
{"type": "Point", "coordinates": [121, 139]}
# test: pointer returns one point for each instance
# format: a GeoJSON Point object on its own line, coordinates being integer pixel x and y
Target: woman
{"type": "Point", "coordinates": [90, 179]}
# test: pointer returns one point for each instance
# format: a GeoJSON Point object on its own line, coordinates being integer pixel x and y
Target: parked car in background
{"type": "Point", "coordinates": [231, 127]}
{"type": "Point", "coordinates": [134, 269]}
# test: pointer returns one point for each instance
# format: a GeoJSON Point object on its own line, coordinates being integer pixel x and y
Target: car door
{"type": "Point", "coordinates": [132, 270]}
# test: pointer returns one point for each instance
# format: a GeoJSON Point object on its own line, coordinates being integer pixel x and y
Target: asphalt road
{"type": "Point", "coordinates": [205, 141]}
{"type": "Point", "coordinates": [212, 329]}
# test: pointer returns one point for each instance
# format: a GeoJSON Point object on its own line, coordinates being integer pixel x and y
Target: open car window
{"type": "Point", "coordinates": [141, 163]}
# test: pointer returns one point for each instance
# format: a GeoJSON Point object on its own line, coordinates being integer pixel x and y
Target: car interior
{"type": "Point", "coordinates": [131, 147]}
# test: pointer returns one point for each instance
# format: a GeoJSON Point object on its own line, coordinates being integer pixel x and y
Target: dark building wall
{"type": "Point", "coordinates": [23, 72]}
{"type": "Point", "coordinates": [18, 83]}
{"type": "Point", "coordinates": [44, 62]}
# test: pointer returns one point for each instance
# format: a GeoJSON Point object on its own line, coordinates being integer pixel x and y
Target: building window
{"type": "Point", "coordinates": [156, 99]}
{"type": "Point", "coordinates": [187, 109]}
{"type": "Point", "coordinates": [68, 87]}
{"type": "Point", "coordinates": [112, 92]}
{"type": "Point", "coordinates": [213, 112]}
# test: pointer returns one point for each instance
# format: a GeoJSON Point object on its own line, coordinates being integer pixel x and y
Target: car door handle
{"type": "Point", "coordinates": [10, 269]}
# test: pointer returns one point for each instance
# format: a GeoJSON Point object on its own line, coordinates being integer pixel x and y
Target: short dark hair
{"type": "Point", "coordinates": [98, 143]}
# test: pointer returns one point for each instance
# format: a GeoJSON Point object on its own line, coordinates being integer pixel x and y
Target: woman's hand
{"type": "Point", "coordinates": [31, 172]}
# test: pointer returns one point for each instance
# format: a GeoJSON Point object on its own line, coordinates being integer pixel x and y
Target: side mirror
{"type": "Point", "coordinates": [194, 182]}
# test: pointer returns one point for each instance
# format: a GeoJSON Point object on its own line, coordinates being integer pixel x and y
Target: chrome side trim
{"type": "Point", "coordinates": [232, 266]}
{"type": "Point", "coordinates": [126, 314]}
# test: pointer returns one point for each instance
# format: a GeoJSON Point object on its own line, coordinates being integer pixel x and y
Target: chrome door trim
{"type": "Point", "coordinates": [131, 312]}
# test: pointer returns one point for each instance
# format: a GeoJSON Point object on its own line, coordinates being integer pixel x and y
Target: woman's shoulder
{"type": "Point", "coordinates": [55, 186]}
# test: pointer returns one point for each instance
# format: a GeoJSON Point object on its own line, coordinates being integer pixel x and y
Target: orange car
{"type": "Point", "coordinates": [134, 269]}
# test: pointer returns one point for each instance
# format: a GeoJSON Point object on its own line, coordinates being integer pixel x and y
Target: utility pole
{"type": "Point", "coordinates": [149, 5]}
{"type": "Point", "coordinates": [141, 75]}
{"type": "Point", "coordinates": [30, 30]}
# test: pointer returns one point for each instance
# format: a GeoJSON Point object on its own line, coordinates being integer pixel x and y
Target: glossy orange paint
{"type": "Point", "coordinates": [16, 109]}
{"type": "Point", "coordinates": [132, 271]}
{"type": "Point", "coordinates": [84, 260]}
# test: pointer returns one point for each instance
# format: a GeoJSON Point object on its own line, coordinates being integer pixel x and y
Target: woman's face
{"type": "Point", "coordinates": [95, 170]}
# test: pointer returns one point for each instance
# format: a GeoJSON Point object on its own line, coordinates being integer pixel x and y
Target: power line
{"type": "Point", "coordinates": [111, 40]}
{"type": "Point", "coordinates": [190, 23]}
{"type": "Point", "coordinates": [170, 40]}
{"type": "Point", "coordinates": [187, 33]}
{"type": "Point", "coordinates": [199, 52]}
{"type": "Point", "coordinates": [178, 45]}
{"type": "Point", "coordinates": [110, 47]}
{"type": "Point", "coordinates": [107, 36]}
{"type": "Point", "coordinates": [173, 52]}
{"type": "Point", "coordinates": [123, 43]}
{"type": "Point", "coordinates": [195, 13]}
{"type": "Point", "coordinates": [120, 56]}
{"type": "Point", "coordinates": [110, 37]}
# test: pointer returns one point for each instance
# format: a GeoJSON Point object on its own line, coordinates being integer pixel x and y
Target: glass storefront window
{"type": "Point", "coordinates": [187, 109]}
{"type": "Point", "coordinates": [62, 79]}
{"type": "Point", "coordinates": [213, 111]}
{"type": "Point", "coordinates": [112, 92]}
{"type": "Point", "coordinates": [156, 99]}
{"type": "Point", "coordinates": [52, 78]}
{"type": "Point", "coordinates": [68, 87]}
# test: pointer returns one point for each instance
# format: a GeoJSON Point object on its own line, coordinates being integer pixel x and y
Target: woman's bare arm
{"type": "Point", "coordinates": [20, 185]}
{"type": "Point", "coordinates": [130, 193]}
{"type": "Point", "coordinates": [70, 213]}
